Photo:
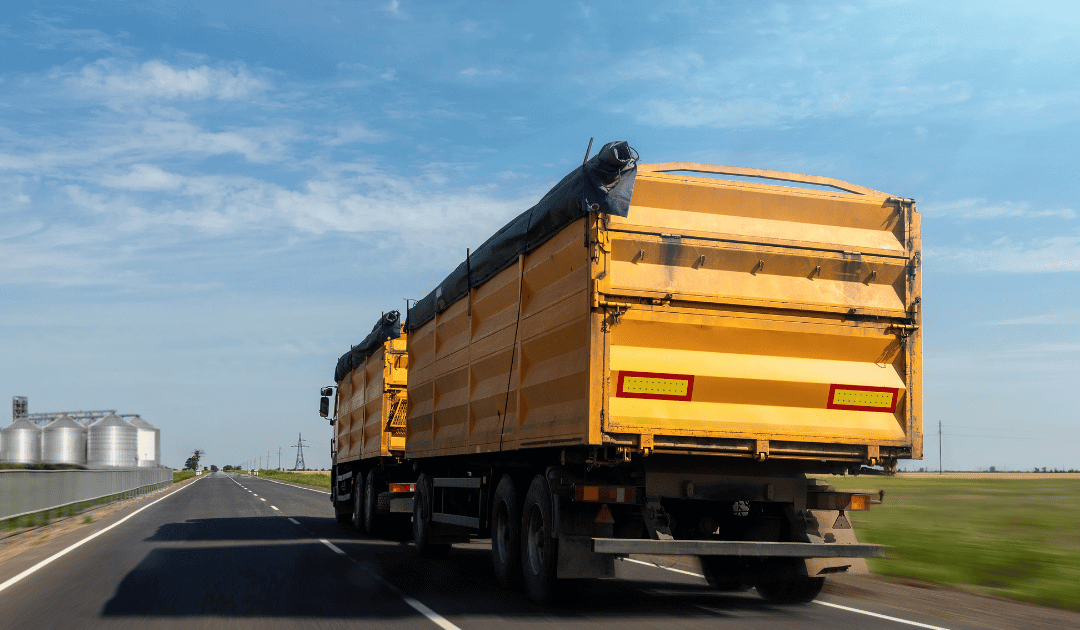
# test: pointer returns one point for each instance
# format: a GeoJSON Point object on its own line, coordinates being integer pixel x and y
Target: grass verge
{"type": "Point", "coordinates": [319, 480]}
{"type": "Point", "coordinates": [180, 475]}
{"type": "Point", "coordinates": [1015, 538]}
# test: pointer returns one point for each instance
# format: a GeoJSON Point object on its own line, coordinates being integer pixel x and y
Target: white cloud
{"type": "Point", "coordinates": [356, 199]}
{"type": "Point", "coordinates": [143, 177]}
{"type": "Point", "coordinates": [356, 132]}
{"type": "Point", "coordinates": [1056, 318]}
{"type": "Point", "coordinates": [394, 9]}
{"type": "Point", "coordinates": [481, 74]}
{"type": "Point", "coordinates": [1038, 255]}
{"type": "Point", "coordinates": [155, 80]}
{"type": "Point", "coordinates": [979, 208]}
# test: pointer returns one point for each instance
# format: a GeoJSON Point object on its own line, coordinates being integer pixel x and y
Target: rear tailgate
{"type": "Point", "coordinates": [763, 320]}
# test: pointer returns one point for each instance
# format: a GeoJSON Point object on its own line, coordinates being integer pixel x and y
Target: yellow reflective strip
{"type": "Point", "coordinates": [662, 386]}
{"type": "Point", "coordinates": [859, 398]}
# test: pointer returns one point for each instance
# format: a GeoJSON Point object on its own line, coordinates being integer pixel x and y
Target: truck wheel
{"type": "Point", "coordinates": [506, 534]}
{"type": "Point", "coordinates": [342, 513]}
{"type": "Point", "coordinates": [723, 574]}
{"type": "Point", "coordinates": [358, 502]}
{"type": "Point", "coordinates": [422, 509]}
{"type": "Point", "coordinates": [371, 501]}
{"type": "Point", "coordinates": [788, 586]}
{"type": "Point", "coordinates": [539, 551]}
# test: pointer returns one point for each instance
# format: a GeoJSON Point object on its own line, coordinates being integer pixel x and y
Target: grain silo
{"type": "Point", "coordinates": [149, 443]}
{"type": "Point", "coordinates": [111, 443]}
{"type": "Point", "coordinates": [63, 441]}
{"type": "Point", "coordinates": [21, 443]}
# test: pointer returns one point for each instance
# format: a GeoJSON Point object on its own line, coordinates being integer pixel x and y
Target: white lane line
{"type": "Point", "coordinates": [82, 542]}
{"type": "Point", "coordinates": [831, 605]}
{"type": "Point", "coordinates": [294, 521]}
{"type": "Point", "coordinates": [873, 614]}
{"type": "Point", "coordinates": [416, 604]}
{"type": "Point", "coordinates": [262, 499]}
{"type": "Point", "coordinates": [653, 564]}
{"type": "Point", "coordinates": [274, 507]}
{"type": "Point", "coordinates": [435, 617]}
{"type": "Point", "coordinates": [298, 486]}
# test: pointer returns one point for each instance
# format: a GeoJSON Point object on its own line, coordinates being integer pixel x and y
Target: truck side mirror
{"type": "Point", "coordinates": [324, 406]}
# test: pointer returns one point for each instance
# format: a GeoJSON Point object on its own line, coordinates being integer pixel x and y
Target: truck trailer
{"type": "Point", "coordinates": [665, 359]}
{"type": "Point", "coordinates": [372, 485]}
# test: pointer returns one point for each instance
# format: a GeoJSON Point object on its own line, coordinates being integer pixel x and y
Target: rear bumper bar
{"type": "Point", "coordinates": [742, 549]}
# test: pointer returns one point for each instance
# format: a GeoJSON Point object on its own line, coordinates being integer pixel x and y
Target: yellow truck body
{"type": "Point", "coordinates": [722, 317]}
{"type": "Point", "coordinates": [371, 406]}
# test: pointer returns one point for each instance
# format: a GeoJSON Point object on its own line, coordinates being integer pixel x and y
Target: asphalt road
{"type": "Point", "coordinates": [230, 551]}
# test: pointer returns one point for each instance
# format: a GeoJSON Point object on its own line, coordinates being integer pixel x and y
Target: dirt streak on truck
{"type": "Point", "coordinates": [654, 359]}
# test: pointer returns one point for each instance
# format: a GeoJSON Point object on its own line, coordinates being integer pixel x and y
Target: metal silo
{"type": "Point", "coordinates": [63, 441]}
{"type": "Point", "coordinates": [149, 443]}
{"type": "Point", "coordinates": [111, 443]}
{"type": "Point", "coordinates": [21, 443]}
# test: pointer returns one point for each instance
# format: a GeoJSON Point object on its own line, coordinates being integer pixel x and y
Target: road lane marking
{"type": "Point", "coordinates": [653, 564]}
{"type": "Point", "coordinates": [261, 499]}
{"type": "Point", "coordinates": [274, 507]}
{"type": "Point", "coordinates": [297, 486]}
{"type": "Point", "coordinates": [831, 605]}
{"type": "Point", "coordinates": [294, 521]}
{"type": "Point", "coordinates": [435, 617]}
{"type": "Point", "coordinates": [416, 604]}
{"type": "Point", "coordinates": [82, 542]}
{"type": "Point", "coordinates": [879, 616]}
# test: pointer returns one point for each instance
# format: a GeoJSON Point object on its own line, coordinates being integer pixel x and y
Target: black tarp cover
{"type": "Point", "coordinates": [388, 327]}
{"type": "Point", "coordinates": [604, 184]}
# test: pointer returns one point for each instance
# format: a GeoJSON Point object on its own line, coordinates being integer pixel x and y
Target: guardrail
{"type": "Point", "coordinates": [24, 492]}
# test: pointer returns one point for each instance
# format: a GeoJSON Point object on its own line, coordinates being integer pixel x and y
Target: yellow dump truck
{"type": "Point", "coordinates": [655, 359]}
{"type": "Point", "coordinates": [373, 487]}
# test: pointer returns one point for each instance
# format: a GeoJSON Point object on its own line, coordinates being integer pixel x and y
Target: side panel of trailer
{"type": "Point", "coordinates": [508, 368]}
{"type": "Point", "coordinates": [369, 398]}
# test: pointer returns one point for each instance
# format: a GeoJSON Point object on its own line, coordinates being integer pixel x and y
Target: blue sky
{"type": "Point", "coordinates": [202, 204]}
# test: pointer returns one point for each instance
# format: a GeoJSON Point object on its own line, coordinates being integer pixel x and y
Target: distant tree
{"type": "Point", "coordinates": [213, 468]}
{"type": "Point", "coordinates": [993, 469]}
{"type": "Point", "coordinates": [192, 462]}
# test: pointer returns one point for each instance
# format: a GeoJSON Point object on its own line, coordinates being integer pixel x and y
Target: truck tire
{"type": "Point", "coordinates": [539, 551]}
{"type": "Point", "coordinates": [787, 585]}
{"type": "Point", "coordinates": [422, 530]}
{"type": "Point", "coordinates": [342, 513]}
{"type": "Point", "coordinates": [372, 522]}
{"type": "Point", "coordinates": [358, 502]}
{"type": "Point", "coordinates": [723, 573]}
{"type": "Point", "coordinates": [506, 534]}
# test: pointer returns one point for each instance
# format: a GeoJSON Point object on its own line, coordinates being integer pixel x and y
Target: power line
{"type": "Point", "coordinates": [1009, 437]}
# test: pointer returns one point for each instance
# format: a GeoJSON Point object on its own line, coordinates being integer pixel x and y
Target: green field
{"type": "Point", "coordinates": [319, 480]}
{"type": "Point", "coordinates": [1016, 538]}
{"type": "Point", "coordinates": [180, 475]}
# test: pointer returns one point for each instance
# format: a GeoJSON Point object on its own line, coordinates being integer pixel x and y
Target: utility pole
{"type": "Point", "coordinates": [940, 466]}
{"type": "Point", "coordinates": [279, 458]}
{"type": "Point", "coordinates": [300, 454]}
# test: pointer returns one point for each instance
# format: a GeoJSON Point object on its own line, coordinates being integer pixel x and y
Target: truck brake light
{"type": "Point", "coordinates": [402, 487]}
{"type": "Point", "coordinates": [837, 501]}
{"type": "Point", "coordinates": [606, 494]}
